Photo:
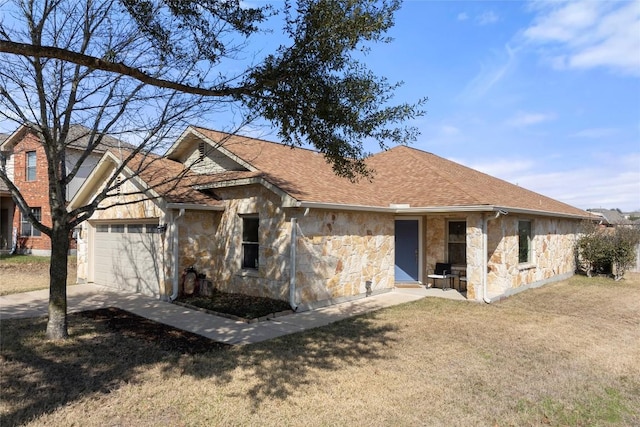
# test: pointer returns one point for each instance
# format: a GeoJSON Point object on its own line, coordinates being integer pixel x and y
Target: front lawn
{"type": "Point", "coordinates": [564, 354]}
{"type": "Point", "coordinates": [25, 273]}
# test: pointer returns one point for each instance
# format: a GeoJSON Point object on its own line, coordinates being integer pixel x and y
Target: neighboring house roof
{"type": "Point", "coordinates": [403, 176]}
{"type": "Point", "coordinates": [78, 138]}
{"type": "Point", "coordinates": [611, 216]}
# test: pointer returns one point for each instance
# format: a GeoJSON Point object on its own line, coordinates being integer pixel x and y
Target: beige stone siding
{"type": "Point", "coordinates": [552, 244]}
{"type": "Point", "coordinates": [212, 243]}
{"type": "Point", "coordinates": [337, 252]}
{"type": "Point", "coordinates": [552, 250]}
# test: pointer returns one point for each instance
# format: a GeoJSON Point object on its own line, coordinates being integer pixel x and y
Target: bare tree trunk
{"type": "Point", "coordinates": [57, 325]}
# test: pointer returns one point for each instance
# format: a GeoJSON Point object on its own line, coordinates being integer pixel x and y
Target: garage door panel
{"type": "Point", "coordinates": [128, 261]}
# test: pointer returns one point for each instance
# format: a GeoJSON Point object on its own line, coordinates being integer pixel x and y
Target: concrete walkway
{"type": "Point", "coordinates": [89, 297]}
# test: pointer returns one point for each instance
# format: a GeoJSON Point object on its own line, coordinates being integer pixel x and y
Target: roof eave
{"type": "Point", "coordinates": [406, 209]}
{"type": "Point", "coordinates": [287, 200]}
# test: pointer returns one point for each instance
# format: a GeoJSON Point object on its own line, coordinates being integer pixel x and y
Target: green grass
{"type": "Point", "coordinates": [24, 259]}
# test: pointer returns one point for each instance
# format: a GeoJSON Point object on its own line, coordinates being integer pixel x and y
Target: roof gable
{"type": "Point", "coordinates": [159, 178]}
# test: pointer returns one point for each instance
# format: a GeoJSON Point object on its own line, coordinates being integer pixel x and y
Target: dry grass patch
{"type": "Point", "coordinates": [564, 354]}
{"type": "Point", "coordinates": [25, 273]}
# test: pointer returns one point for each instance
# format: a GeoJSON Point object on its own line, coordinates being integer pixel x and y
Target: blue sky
{"type": "Point", "coordinates": [545, 95]}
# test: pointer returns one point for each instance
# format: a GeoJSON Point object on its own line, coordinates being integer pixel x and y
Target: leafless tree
{"type": "Point", "coordinates": [141, 71]}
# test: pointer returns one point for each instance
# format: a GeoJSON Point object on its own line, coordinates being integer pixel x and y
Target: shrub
{"type": "Point", "coordinates": [607, 250]}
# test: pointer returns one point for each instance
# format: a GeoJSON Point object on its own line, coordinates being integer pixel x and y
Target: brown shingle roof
{"type": "Point", "coordinates": [170, 180]}
{"type": "Point", "coordinates": [403, 175]}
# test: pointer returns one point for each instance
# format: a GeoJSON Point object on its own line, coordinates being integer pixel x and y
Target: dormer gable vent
{"type": "Point", "coordinates": [201, 150]}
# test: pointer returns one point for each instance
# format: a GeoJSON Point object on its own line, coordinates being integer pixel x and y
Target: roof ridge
{"type": "Point", "coordinates": [280, 144]}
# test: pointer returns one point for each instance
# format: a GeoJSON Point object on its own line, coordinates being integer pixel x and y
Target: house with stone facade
{"type": "Point", "coordinates": [265, 219]}
{"type": "Point", "coordinates": [23, 158]}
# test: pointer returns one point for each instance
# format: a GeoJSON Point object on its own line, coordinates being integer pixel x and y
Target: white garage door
{"type": "Point", "coordinates": [128, 257]}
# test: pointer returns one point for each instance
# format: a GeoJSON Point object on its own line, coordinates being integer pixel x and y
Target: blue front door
{"type": "Point", "coordinates": [407, 251]}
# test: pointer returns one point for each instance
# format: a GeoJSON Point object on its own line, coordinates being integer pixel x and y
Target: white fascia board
{"type": "Point", "coordinates": [178, 142]}
{"type": "Point", "coordinates": [107, 160]}
{"type": "Point", "coordinates": [110, 160]}
{"type": "Point", "coordinates": [13, 139]}
{"type": "Point", "coordinates": [397, 209]}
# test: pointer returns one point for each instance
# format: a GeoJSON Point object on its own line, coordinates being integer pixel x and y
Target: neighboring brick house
{"type": "Point", "coordinates": [25, 163]}
{"type": "Point", "coordinates": [265, 219]}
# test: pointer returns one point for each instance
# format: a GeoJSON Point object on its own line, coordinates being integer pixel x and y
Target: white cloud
{"type": "Point", "coordinates": [595, 133]}
{"type": "Point", "coordinates": [589, 34]}
{"type": "Point", "coordinates": [487, 18]}
{"type": "Point", "coordinates": [491, 74]}
{"type": "Point", "coordinates": [449, 130]}
{"type": "Point", "coordinates": [522, 119]}
{"type": "Point", "coordinates": [607, 184]}
{"type": "Point", "coordinates": [462, 16]}
{"type": "Point", "coordinates": [502, 168]}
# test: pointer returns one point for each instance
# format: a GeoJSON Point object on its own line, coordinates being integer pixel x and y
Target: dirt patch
{"type": "Point", "coordinates": [164, 336]}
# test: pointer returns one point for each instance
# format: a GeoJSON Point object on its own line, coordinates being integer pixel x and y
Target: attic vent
{"type": "Point", "coordinates": [201, 149]}
{"type": "Point", "coordinates": [118, 185]}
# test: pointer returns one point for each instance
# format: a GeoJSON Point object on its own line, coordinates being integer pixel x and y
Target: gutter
{"type": "Point", "coordinates": [485, 250]}
{"type": "Point", "coordinates": [176, 253]}
{"type": "Point", "coordinates": [396, 208]}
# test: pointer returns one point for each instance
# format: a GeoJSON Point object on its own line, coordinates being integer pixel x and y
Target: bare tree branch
{"type": "Point", "coordinates": [30, 50]}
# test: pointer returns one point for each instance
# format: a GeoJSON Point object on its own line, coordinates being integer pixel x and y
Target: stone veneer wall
{"type": "Point", "coordinates": [552, 243]}
{"type": "Point", "coordinates": [337, 252]}
{"type": "Point", "coordinates": [212, 243]}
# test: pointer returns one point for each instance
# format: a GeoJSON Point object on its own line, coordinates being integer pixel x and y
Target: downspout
{"type": "Point", "coordinates": [485, 250]}
{"type": "Point", "coordinates": [176, 254]}
{"type": "Point", "coordinates": [292, 272]}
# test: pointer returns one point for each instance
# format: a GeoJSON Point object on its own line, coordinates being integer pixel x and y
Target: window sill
{"type": "Point", "coordinates": [249, 272]}
{"type": "Point", "coordinates": [526, 266]}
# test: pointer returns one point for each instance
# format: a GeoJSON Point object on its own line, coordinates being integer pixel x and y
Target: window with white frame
{"type": "Point", "coordinates": [26, 228]}
{"type": "Point", "coordinates": [30, 164]}
{"type": "Point", "coordinates": [524, 242]}
{"type": "Point", "coordinates": [457, 242]}
{"type": "Point", "coordinates": [250, 242]}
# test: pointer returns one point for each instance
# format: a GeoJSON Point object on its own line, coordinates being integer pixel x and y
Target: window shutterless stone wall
{"type": "Point", "coordinates": [336, 252]}
{"type": "Point", "coordinates": [552, 246]}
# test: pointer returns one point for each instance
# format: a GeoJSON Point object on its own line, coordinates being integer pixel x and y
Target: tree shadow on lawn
{"type": "Point", "coordinates": [110, 347]}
